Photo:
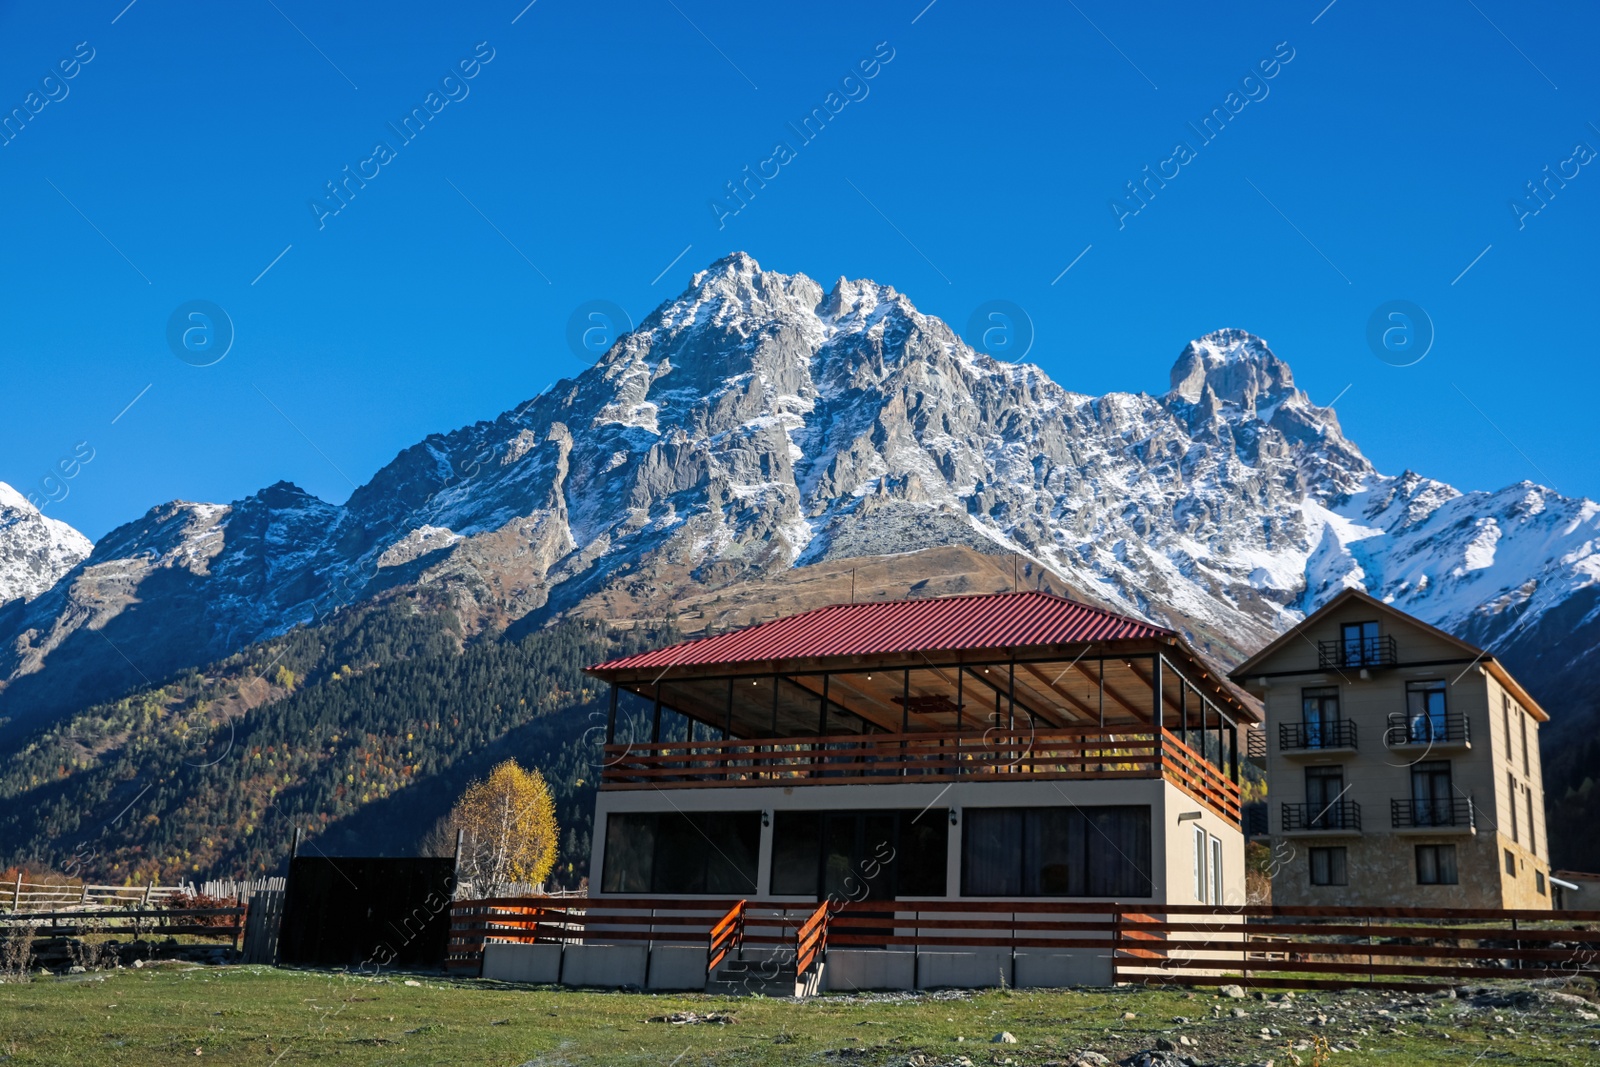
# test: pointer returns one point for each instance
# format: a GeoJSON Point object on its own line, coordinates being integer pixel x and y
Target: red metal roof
{"type": "Point", "coordinates": [987, 621]}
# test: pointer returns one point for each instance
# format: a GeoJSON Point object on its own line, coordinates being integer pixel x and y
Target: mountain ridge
{"type": "Point", "coordinates": [755, 423]}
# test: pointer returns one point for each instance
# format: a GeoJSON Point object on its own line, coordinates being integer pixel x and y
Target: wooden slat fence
{"type": "Point", "coordinates": [1284, 947]}
{"type": "Point", "coordinates": [40, 896]}
{"type": "Point", "coordinates": [1331, 947]}
{"type": "Point", "coordinates": [136, 922]}
{"type": "Point", "coordinates": [932, 756]}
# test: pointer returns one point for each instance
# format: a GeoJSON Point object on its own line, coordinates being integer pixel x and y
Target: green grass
{"type": "Point", "coordinates": [256, 1015]}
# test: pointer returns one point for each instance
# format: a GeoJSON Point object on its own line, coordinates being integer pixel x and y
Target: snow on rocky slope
{"type": "Point", "coordinates": [757, 422]}
{"type": "Point", "coordinates": [35, 551]}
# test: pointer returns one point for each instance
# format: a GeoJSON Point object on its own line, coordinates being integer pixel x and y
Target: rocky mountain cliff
{"type": "Point", "coordinates": [35, 552]}
{"type": "Point", "coordinates": [757, 423]}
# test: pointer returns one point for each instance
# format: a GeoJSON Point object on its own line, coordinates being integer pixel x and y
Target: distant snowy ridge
{"type": "Point", "coordinates": [35, 551]}
{"type": "Point", "coordinates": [757, 422]}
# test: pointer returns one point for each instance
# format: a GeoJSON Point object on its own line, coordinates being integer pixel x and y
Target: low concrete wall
{"type": "Point", "coordinates": [604, 966]}
{"type": "Point", "coordinates": [851, 969]}
{"type": "Point", "coordinates": [522, 963]}
{"type": "Point", "coordinates": [677, 967]}
{"type": "Point", "coordinates": [1054, 970]}
{"type": "Point", "coordinates": [978, 969]}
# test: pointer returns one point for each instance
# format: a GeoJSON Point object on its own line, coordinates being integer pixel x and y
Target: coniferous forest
{"type": "Point", "coordinates": [362, 732]}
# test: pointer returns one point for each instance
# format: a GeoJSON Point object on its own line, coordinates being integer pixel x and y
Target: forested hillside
{"type": "Point", "coordinates": [362, 732]}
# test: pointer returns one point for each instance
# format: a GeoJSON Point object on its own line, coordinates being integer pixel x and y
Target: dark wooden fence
{"type": "Point", "coordinates": [1334, 948]}
{"type": "Point", "coordinates": [366, 912]}
{"type": "Point", "coordinates": [1284, 947]}
{"type": "Point", "coordinates": [134, 922]}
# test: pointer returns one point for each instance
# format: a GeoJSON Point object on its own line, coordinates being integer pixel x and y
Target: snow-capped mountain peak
{"type": "Point", "coordinates": [755, 423]}
{"type": "Point", "coordinates": [35, 551]}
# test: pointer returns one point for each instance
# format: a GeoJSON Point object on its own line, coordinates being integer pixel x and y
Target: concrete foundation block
{"type": "Point", "coordinates": [979, 969]}
{"type": "Point", "coordinates": [852, 969]}
{"type": "Point", "coordinates": [1056, 970]}
{"type": "Point", "coordinates": [522, 963]}
{"type": "Point", "coordinates": [604, 966]}
{"type": "Point", "coordinates": [677, 967]}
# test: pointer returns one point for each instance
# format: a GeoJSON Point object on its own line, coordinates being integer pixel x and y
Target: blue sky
{"type": "Point", "coordinates": [1378, 163]}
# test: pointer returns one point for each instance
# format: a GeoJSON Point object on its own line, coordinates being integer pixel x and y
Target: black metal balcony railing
{"type": "Point", "coordinates": [1363, 652]}
{"type": "Point", "coordinates": [1330, 733]}
{"type": "Point", "coordinates": [1457, 811]}
{"type": "Point", "coordinates": [1340, 815]}
{"type": "Point", "coordinates": [1255, 744]}
{"type": "Point", "coordinates": [1254, 816]}
{"type": "Point", "coordinates": [1407, 729]}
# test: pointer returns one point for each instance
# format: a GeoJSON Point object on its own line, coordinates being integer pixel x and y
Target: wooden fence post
{"type": "Point", "coordinates": [1116, 941]}
{"type": "Point", "coordinates": [16, 894]}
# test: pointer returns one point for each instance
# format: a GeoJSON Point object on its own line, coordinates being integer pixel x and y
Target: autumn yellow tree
{"type": "Point", "coordinates": [510, 823]}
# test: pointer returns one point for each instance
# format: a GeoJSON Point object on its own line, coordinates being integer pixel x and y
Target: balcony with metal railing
{"type": "Point", "coordinates": [1339, 817]}
{"type": "Point", "coordinates": [1437, 732]}
{"type": "Point", "coordinates": [1359, 653]}
{"type": "Point", "coordinates": [1455, 815]}
{"type": "Point", "coordinates": [1316, 738]}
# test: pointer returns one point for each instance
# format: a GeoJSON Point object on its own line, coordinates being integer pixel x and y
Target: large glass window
{"type": "Point", "coordinates": [1325, 808]}
{"type": "Point", "coordinates": [1432, 795]}
{"type": "Point", "coordinates": [712, 853]}
{"type": "Point", "coordinates": [1360, 641]}
{"type": "Point", "coordinates": [1056, 852]}
{"type": "Point", "coordinates": [1319, 711]}
{"type": "Point", "coordinates": [854, 855]}
{"type": "Point", "coordinates": [1425, 711]}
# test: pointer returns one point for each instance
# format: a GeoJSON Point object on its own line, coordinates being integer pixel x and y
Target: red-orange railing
{"type": "Point", "coordinates": [1326, 947]}
{"type": "Point", "coordinates": [1073, 753]}
{"type": "Point", "coordinates": [811, 940]}
{"type": "Point", "coordinates": [725, 937]}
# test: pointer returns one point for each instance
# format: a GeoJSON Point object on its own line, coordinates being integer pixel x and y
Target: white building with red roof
{"type": "Point", "coordinates": [1000, 755]}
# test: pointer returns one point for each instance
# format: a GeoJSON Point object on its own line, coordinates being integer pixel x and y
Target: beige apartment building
{"type": "Point", "coordinates": [1402, 765]}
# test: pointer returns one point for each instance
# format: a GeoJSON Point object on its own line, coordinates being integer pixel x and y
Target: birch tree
{"type": "Point", "coordinates": [511, 833]}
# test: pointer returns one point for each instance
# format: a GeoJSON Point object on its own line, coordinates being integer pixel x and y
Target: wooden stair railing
{"type": "Point", "coordinates": [811, 940]}
{"type": "Point", "coordinates": [725, 937]}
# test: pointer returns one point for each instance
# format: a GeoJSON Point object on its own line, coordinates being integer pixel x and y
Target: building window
{"type": "Point", "coordinates": [1361, 644]}
{"type": "Point", "coordinates": [703, 852]}
{"type": "Point", "coordinates": [1538, 882]}
{"type": "Point", "coordinates": [1328, 866]}
{"type": "Point", "coordinates": [1436, 865]}
{"type": "Point", "coordinates": [1425, 712]}
{"type": "Point", "coordinates": [1511, 863]}
{"type": "Point", "coordinates": [1505, 719]}
{"type": "Point", "coordinates": [1319, 712]}
{"type": "Point", "coordinates": [1216, 871]}
{"type": "Point", "coordinates": [852, 855]}
{"type": "Point", "coordinates": [1324, 798]}
{"type": "Point", "coordinates": [1511, 800]}
{"type": "Point", "coordinates": [1432, 795]}
{"type": "Point", "coordinates": [1056, 852]}
{"type": "Point", "coordinates": [1200, 865]}
{"type": "Point", "coordinates": [1533, 830]}
{"type": "Point", "coordinates": [1522, 720]}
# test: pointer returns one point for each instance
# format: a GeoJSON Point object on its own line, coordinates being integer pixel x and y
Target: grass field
{"type": "Point", "coordinates": [256, 1015]}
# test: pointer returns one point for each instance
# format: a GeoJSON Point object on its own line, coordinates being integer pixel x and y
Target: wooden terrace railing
{"type": "Point", "coordinates": [725, 937]}
{"type": "Point", "coordinates": [1261, 946]}
{"type": "Point", "coordinates": [811, 940]}
{"type": "Point", "coordinates": [1073, 753]}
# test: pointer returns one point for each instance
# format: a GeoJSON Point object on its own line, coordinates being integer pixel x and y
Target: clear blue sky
{"type": "Point", "coordinates": [181, 160]}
